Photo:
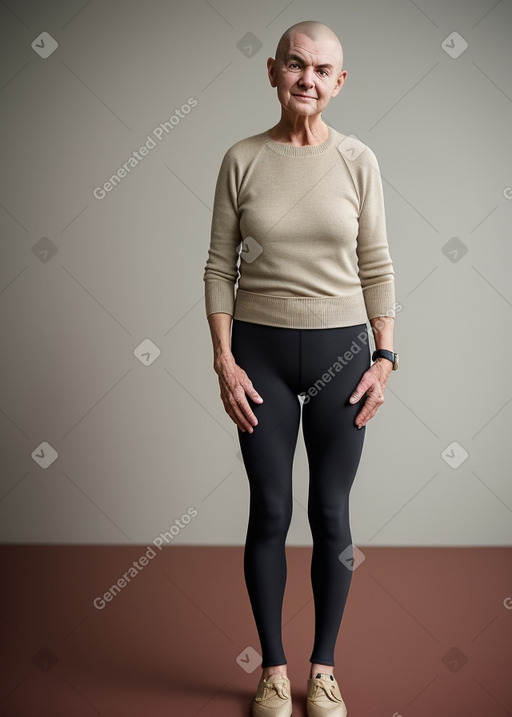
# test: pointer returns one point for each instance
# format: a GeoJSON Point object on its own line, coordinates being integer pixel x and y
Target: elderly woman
{"type": "Point", "coordinates": [299, 221]}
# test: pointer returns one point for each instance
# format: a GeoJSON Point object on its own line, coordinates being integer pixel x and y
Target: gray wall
{"type": "Point", "coordinates": [140, 439]}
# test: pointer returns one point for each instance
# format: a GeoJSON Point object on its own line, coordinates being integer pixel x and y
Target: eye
{"type": "Point", "coordinates": [325, 73]}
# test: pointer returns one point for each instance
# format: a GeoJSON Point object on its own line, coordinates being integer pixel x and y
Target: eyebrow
{"type": "Point", "coordinates": [291, 56]}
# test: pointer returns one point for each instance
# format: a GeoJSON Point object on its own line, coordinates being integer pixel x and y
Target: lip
{"type": "Point", "coordinates": [305, 97]}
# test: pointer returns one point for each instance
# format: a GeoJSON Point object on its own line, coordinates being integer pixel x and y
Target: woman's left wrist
{"type": "Point", "coordinates": [387, 355]}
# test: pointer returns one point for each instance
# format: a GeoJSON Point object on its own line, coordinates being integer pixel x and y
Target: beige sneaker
{"type": "Point", "coordinates": [324, 698]}
{"type": "Point", "coordinates": [273, 697]}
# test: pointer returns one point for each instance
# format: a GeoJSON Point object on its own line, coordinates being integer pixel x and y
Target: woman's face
{"type": "Point", "coordinates": [307, 75]}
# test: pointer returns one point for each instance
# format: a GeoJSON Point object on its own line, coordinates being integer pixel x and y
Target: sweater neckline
{"type": "Point", "coordinates": [290, 150]}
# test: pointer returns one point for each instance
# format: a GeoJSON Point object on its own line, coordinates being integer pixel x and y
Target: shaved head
{"type": "Point", "coordinates": [316, 31]}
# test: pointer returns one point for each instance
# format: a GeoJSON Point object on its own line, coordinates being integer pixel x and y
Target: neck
{"type": "Point", "coordinates": [300, 130]}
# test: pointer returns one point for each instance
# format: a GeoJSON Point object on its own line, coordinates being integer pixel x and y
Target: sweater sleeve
{"type": "Point", "coordinates": [221, 270]}
{"type": "Point", "coordinates": [375, 266]}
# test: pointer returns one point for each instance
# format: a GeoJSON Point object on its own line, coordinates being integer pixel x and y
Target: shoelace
{"type": "Point", "coordinates": [278, 687]}
{"type": "Point", "coordinates": [329, 691]}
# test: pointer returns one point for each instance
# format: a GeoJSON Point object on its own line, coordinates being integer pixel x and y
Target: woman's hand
{"type": "Point", "coordinates": [234, 385]}
{"type": "Point", "coordinates": [373, 384]}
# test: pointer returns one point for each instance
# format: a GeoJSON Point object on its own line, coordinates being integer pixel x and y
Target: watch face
{"type": "Point", "coordinates": [396, 362]}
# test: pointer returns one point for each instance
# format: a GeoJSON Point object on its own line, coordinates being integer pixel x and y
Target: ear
{"type": "Point", "coordinates": [339, 82]}
{"type": "Point", "coordinates": [271, 69]}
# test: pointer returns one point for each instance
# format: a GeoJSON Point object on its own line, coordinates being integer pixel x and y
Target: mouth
{"type": "Point", "coordinates": [305, 97]}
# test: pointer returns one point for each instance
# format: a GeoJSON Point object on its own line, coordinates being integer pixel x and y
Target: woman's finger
{"type": "Point", "coordinates": [374, 399]}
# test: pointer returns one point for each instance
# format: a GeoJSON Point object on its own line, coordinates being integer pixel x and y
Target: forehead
{"type": "Point", "coordinates": [319, 51]}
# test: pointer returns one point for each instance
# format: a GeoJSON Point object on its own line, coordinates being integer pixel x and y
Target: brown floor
{"type": "Point", "coordinates": [426, 631]}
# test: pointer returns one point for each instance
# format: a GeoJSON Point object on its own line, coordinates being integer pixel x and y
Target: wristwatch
{"type": "Point", "coordinates": [385, 354]}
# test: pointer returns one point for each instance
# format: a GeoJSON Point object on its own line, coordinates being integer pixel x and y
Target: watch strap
{"type": "Point", "coordinates": [385, 354]}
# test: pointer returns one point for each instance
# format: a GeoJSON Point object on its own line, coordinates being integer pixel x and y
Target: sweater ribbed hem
{"type": "Point", "coordinates": [300, 312]}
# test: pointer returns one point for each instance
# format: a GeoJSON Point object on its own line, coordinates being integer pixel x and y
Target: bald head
{"type": "Point", "coordinates": [316, 31]}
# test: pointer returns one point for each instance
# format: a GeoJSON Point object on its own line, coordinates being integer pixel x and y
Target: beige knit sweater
{"type": "Point", "coordinates": [302, 230]}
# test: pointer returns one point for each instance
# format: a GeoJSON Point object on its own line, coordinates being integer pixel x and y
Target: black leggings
{"type": "Point", "coordinates": [325, 366]}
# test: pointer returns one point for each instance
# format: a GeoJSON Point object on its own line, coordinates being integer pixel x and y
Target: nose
{"type": "Point", "coordinates": [306, 78]}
